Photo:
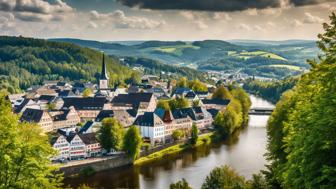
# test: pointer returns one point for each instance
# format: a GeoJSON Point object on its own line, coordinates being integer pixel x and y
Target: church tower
{"type": "Point", "coordinates": [103, 80]}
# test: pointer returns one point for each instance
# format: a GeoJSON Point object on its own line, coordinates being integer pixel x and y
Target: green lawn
{"type": "Point", "coordinates": [291, 67]}
{"type": "Point", "coordinates": [177, 50]}
{"type": "Point", "coordinates": [247, 55]}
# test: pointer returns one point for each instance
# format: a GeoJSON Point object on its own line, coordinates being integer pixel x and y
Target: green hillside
{"type": "Point", "coordinates": [26, 61]}
{"type": "Point", "coordinates": [267, 59]}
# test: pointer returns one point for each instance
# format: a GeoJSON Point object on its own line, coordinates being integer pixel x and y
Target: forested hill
{"type": "Point", "coordinates": [26, 61]}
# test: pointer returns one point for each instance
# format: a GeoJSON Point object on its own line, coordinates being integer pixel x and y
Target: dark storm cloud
{"type": "Point", "coordinates": [214, 5]}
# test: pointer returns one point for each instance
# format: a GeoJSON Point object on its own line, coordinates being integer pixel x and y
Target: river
{"type": "Point", "coordinates": [244, 152]}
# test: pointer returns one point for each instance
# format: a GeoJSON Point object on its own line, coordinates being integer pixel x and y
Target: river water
{"type": "Point", "coordinates": [244, 152]}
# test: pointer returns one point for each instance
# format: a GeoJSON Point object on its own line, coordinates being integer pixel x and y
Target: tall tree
{"type": "Point", "coordinates": [221, 93]}
{"type": "Point", "coordinates": [194, 134]}
{"type": "Point", "coordinates": [244, 100]}
{"type": "Point", "coordinates": [24, 153]}
{"type": "Point", "coordinates": [132, 142]}
{"type": "Point", "coordinates": [111, 134]}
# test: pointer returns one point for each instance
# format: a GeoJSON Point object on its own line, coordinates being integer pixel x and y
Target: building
{"type": "Point", "coordinates": [64, 118]}
{"type": "Point", "coordinates": [40, 117]}
{"type": "Point", "coordinates": [141, 102]}
{"type": "Point", "coordinates": [103, 80]}
{"type": "Point", "coordinates": [198, 115]}
{"type": "Point", "coordinates": [218, 104]}
{"type": "Point", "coordinates": [87, 108]}
{"type": "Point", "coordinates": [151, 127]}
{"type": "Point", "coordinates": [168, 120]}
{"type": "Point", "coordinates": [62, 146]}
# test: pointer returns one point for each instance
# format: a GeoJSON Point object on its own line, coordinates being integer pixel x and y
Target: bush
{"type": "Point", "coordinates": [87, 171]}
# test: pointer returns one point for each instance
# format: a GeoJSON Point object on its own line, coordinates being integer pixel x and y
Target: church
{"type": "Point", "coordinates": [103, 79]}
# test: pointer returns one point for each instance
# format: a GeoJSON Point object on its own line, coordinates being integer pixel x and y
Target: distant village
{"type": "Point", "coordinates": [74, 117]}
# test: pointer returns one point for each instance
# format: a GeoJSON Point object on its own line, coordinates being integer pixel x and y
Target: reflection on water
{"type": "Point", "coordinates": [243, 151]}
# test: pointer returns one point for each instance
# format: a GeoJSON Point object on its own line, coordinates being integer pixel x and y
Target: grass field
{"type": "Point", "coordinates": [177, 50]}
{"type": "Point", "coordinates": [247, 55]}
{"type": "Point", "coordinates": [203, 139]}
{"type": "Point", "coordinates": [291, 67]}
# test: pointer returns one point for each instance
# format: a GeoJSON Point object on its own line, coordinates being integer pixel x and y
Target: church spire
{"type": "Point", "coordinates": [103, 75]}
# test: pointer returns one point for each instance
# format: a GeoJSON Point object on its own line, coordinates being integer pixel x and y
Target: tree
{"type": "Point", "coordinates": [196, 85]}
{"type": "Point", "coordinates": [221, 93]}
{"type": "Point", "coordinates": [181, 184]}
{"type": "Point", "coordinates": [244, 100]}
{"type": "Point", "coordinates": [258, 182]}
{"type": "Point", "coordinates": [111, 134]}
{"type": "Point", "coordinates": [228, 120]}
{"type": "Point", "coordinates": [132, 142]}
{"type": "Point", "coordinates": [194, 134]}
{"type": "Point", "coordinates": [177, 134]}
{"type": "Point", "coordinates": [164, 104]}
{"type": "Point", "coordinates": [87, 92]}
{"type": "Point", "coordinates": [182, 82]}
{"type": "Point", "coordinates": [24, 153]}
{"type": "Point", "coordinates": [222, 178]}
{"type": "Point", "coordinates": [178, 103]}
{"type": "Point", "coordinates": [304, 124]}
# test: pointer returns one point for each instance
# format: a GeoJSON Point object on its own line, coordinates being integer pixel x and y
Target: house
{"type": "Point", "coordinates": [21, 106]}
{"type": "Point", "coordinates": [217, 104]}
{"type": "Point", "coordinates": [180, 92]}
{"type": "Point", "coordinates": [168, 120]}
{"type": "Point", "coordinates": [191, 97]}
{"type": "Point", "coordinates": [66, 93]}
{"type": "Point", "coordinates": [87, 108]}
{"type": "Point", "coordinates": [77, 148]}
{"type": "Point", "coordinates": [41, 117]}
{"type": "Point", "coordinates": [181, 120]}
{"type": "Point", "coordinates": [92, 146]}
{"type": "Point", "coordinates": [157, 91]}
{"type": "Point", "coordinates": [202, 95]}
{"type": "Point", "coordinates": [65, 118]}
{"type": "Point", "coordinates": [90, 127]}
{"type": "Point", "coordinates": [151, 127]}
{"type": "Point", "coordinates": [142, 102]}
{"type": "Point", "coordinates": [61, 144]}
{"type": "Point", "coordinates": [198, 115]}
{"type": "Point", "coordinates": [125, 117]}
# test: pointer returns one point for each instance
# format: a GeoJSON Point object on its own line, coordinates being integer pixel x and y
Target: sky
{"type": "Point", "coordinates": [188, 20]}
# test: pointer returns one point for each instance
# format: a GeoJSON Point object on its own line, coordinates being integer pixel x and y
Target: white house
{"type": "Point", "coordinates": [151, 127]}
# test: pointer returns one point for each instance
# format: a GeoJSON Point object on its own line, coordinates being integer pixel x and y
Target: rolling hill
{"type": "Point", "coordinates": [276, 59]}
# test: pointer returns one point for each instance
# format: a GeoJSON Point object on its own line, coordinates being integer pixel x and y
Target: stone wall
{"type": "Point", "coordinates": [99, 165]}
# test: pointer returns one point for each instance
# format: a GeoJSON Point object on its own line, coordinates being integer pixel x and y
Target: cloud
{"type": "Point", "coordinates": [311, 19]}
{"type": "Point", "coordinates": [201, 25]}
{"type": "Point", "coordinates": [243, 26]}
{"type": "Point", "coordinates": [120, 20]}
{"type": "Point", "coordinates": [216, 5]}
{"type": "Point", "coordinates": [36, 10]}
{"type": "Point", "coordinates": [296, 23]}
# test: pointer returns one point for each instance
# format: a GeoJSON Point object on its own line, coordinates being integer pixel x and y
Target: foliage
{"type": "Point", "coordinates": [197, 85]}
{"type": "Point", "coordinates": [194, 134]}
{"type": "Point", "coordinates": [181, 184]}
{"type": "Point", "coordinates": [221, 93]}
{"type": "Point", "coordinates": [304, 156]}
{"type": "Point", "coordinates": [132, 142]}
{"type": "Point", "coordinates": [178, 103]}
{"type": "Point", "coordinates": [258, 182]}
{"type": "Point", "coordinates": [222, 178]}
{"type": "Point", "coordinates": [196, 103]}
{"type": "Point", "coordinates": [24, 153]}
{"type": "Point", "coordinates": [244, 100]}
{"type": "Point", "coordinates": [26, 61]}
{"type": "Point", "coordinates": [164, 104]}
{"type": "Point", "coordinates": [270, 90]}
{"type": "Point", "coordinates": [111, 134]}
{"type": "Point", "coordinates": [87, 92]}
{"type": "Point", "coordinates": [177, 134]}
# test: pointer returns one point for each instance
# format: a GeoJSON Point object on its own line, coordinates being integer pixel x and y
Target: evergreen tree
{"type": "Point", "coordinates": [181, 184]}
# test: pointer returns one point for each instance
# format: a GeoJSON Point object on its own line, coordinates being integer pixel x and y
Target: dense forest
{"type": "Point", "coordinates": [26, 61]}
{"type": "Point", "coordinates": [270, 90]}
{"type": "Point", "coordinates": [156, 67]}
{"type": "Point", "coordinates": [302, 129]}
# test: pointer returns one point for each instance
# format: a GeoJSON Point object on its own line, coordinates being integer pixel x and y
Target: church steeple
{"type": "Point", "coordinates": [103, 80]}
{"type": "Point", "coordinates": [103, 75]}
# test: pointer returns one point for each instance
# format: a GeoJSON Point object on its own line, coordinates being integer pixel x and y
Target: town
{"type": "Point", "coordinates": [72, 113]}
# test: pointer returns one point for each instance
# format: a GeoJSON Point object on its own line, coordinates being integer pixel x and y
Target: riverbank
{"type": "Point", "coordinates": [178, 148]}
